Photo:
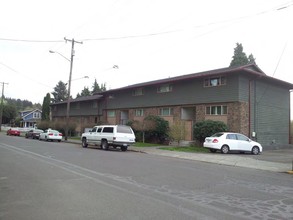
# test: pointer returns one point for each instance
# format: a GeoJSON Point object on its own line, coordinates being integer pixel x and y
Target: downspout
{"type": "Point", "coordinates": [290, 92]}
{"type": "Point", "coordinates": [249, 108]}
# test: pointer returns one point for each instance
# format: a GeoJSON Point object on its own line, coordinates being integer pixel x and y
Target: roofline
{"type": "Point", "coordinates": [84, 98]}
{"type": "Point", "coordinates": [228, 70]}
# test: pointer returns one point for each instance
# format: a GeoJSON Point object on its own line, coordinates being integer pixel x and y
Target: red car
{"type": "Point", "coordinates": [13, 131]}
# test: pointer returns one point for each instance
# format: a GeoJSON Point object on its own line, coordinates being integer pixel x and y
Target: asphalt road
{"type": "Point", "coordinates": [45, 180]}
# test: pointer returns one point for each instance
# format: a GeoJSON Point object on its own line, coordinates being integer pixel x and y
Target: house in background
{"type": "Point", "coordinates": [29, 118]}
{"type": "Point", "coordinates": [245, 98]}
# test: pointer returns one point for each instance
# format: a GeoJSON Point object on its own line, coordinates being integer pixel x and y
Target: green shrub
{"type": "Point", "coordinates": [207, 128]}
{"type": "Point", "coordinates": [153, 129]}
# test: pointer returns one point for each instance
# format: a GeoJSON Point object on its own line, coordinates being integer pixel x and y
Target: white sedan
{"type": "Point", "coordinates": [227, 141]}
{"type": "Point", "coordinates": [51, 135]}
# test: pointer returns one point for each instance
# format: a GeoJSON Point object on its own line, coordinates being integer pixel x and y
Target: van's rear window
{"type": "Point", "coordinates": [124, 129]}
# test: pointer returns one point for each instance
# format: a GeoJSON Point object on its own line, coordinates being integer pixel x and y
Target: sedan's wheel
{"type": "Point", "coordinates": [84, 143]}
{"type": "Point", "coordinates": [225, 149]}
{"type": "Point", "coordinates": [124, 148]}
{"type": "Point", "coordinates": [104, 145]}
{"type": "Point", "coordinates": [255, 150]}
{"type": "Point", "coordinates": [213, 150]}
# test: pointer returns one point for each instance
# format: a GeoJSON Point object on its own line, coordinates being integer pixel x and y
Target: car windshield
{"type": "Point", "coordinates": [217, 135]}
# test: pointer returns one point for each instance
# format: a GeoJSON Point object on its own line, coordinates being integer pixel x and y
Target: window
{"type": "Point", "coordinates": [242, 137]}
{"type": "Point", "coordinates": [138, 92]}
{"type": "Point", "coordinates": [36, 115]}
{"type": "Point", "coordinates": [166, 111]}
{"type": "Point", "coordinates": [164, 88]}
{"type": "Point", "coordinates": [108, 129]}
{"type": "Point", "coordinates": [94, 129]}
{"type": "Point", "coordinates": [111, 113]}
{"type": "Point", "coordinates": [215, 81]}
{"type": "Point", "coordinates": [231, 136]}
{"type": "Point", "coordinates": [138, 112]}
{"type": "Point", "coordinates": [216, 110]}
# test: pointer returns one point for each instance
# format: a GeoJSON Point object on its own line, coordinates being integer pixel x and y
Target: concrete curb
{"type": "Point", "coordinates": [229, 160]}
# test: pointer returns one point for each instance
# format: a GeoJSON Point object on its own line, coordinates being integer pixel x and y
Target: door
{"type": "Point", "coordinates": [243, 143]}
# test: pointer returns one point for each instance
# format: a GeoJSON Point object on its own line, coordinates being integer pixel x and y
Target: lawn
{"type": "Point", "coordinates": [192, 149]}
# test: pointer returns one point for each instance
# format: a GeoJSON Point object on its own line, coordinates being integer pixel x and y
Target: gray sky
{"type": "Point", "coordinates": [147, 39]}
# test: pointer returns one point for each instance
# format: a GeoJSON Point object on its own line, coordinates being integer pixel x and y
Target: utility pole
{"type": "Point", "coordinates": [2, 97]}
{"type": "Point", "coordinates": [69, 84]}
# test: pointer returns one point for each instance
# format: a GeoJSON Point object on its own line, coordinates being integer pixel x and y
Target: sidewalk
{"type": "Point", "coordinates": [265, 161]}
{"type": "Point", "coordinates": [246, 160]}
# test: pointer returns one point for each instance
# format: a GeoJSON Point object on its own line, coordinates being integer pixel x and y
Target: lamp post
{"type": "Point", "coordinates": [69, 83]}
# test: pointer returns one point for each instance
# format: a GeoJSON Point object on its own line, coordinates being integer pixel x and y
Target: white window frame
{"type": "Point", "coordinates": [166, 111]}
{"type": "Point", "coordinates": [215, 81]}
{"type": "Point", "coordinates": [164, 88]}
{"type": "Point", "coordinates": [217, 110]}
{"type": "Point", "coordinates": [138, 92]}
{"type": "Point", "coordinates": [139, 112]}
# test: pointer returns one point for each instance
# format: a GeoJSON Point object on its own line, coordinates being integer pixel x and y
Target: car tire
{"type": "Point", "coordinates": [104, 145]}
{"type": "Point", "coordinates": [213, 150]}
{"type": "Point", "coordinates": [255, 150]}
{"type": "Point", "coordinates": [225, 149]}
{"type": "Point", "coordinates": [84, 144]}
{"type": "Point", "coordinates": [123, 148]}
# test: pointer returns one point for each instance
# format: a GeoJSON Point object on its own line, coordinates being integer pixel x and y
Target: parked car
{"type": "Point", "coordinates": [34, 133]}
{"type": "Point", "coordinates": [109, 135]}
{"type": "Point", "coordinates": [51, 135]}
{"type": "Point", "coordinates": [228, 141]}
{"type": "Point", "coordinates": [13, 131]}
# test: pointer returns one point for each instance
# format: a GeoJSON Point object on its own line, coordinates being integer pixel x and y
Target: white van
{"type": "Point", "coordinates": [109, 135]}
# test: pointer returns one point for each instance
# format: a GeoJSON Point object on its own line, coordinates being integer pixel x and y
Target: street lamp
{"type": "Point", "coordinates": [84, 77]}
{"type": "Point", "coordinates": [69, 87]}
{"type": "Point", "coordinates": [51, 51]}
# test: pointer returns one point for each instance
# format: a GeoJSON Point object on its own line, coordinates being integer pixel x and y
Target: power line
{"type": "Point", "coordinates": [31, 41]}
{"type": "Point", "coordinates": [277, 8]}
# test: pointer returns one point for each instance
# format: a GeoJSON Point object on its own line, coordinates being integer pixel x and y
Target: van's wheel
{"type": "Point", "coordinates": [84, 143]}
{"type": "Point", "coordinates": [104, 145]}
{"type": "Point", "coordinates": [225, 149]}
{"type": "Point", "coordinates": [123, 148]}
{"type": "Point", "coordinates": [255, 150]}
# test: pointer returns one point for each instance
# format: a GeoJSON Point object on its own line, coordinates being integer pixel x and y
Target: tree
{"type": "Point", "coordinates": [60, 92]}
{"type": "Point", "coordinates": [240, 58]}
{"type": "Point", "coordinates": [177, 131]}
{"type": "Point", "coordinates": [84, 92]}
{"type": "Point", "coordinates": [9, 114]}
{"type": "Point", "coordinates": [98, 88]}
{"type": "Point", "coordinates": [251, 59]}
{"type": "Point", "coordinates": [46, 107]}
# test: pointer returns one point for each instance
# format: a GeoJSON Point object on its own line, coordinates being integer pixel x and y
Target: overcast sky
{"type": "Point", "coordinates": [147, 39]}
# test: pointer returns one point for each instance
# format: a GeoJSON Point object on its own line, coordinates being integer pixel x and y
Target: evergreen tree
{"type": "Point", "coordinates": [240, 58]}
{"type": "Point", "coordinates": [46, 108]}
{"type": "Point", "coordinates": [84, 92]}
{"type": "Point", "coordinates": [251, 59]}
{"type": "Point", "coordinates": [60, 92]}
{"type": "Point", "coordinates": [98, 88]}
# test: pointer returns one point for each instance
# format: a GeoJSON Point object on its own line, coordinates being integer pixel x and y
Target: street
{"type": "Point", "coordinates": [51, 180]}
